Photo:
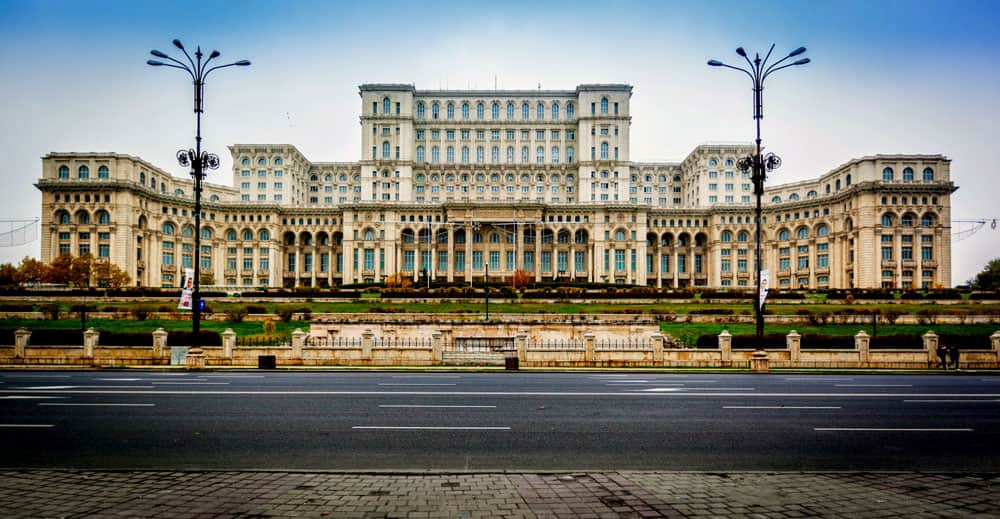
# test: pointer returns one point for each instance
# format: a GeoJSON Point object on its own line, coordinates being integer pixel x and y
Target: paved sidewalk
{"type": "Point", "coordinates": [58, 493]}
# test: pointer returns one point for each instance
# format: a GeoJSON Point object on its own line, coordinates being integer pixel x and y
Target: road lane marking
{"type": "Point", "coordinates": [929, 401]}
{"type": "Point", "coordinates": [82, 404]}
{"type": "Point", "coordinates": [25, 425]}
{"type": "Point", "coordinates": [28, 375]}
{"type": "Point", "coordinates": [196, 383]}
{"type": "Point", "coordinates": [416, 406]}
{"type": "Point", "coordinates": [431, 428]}
{"type": "Point", "coordinates": [415, 384]}
{"type": "Point", "coordinates": [657, 390]}
{"type": "Point", "coordinates": [873, 385]}
{"type": "Point", "coordinates": [820, 379]}
{"type": "Point", "coordinates": [233, 376]}
{"type": "Point", "coordinates": [718, 389]}
{"type": "Point", "coordinates": [889, 429]}
{"type": "Point", "coordinates": [48, 388]}
{"type": "Point", "coordinates": [639, 392]}
{"type": "Point", "coordinates": [426, 376]}
{"type": "Point", "coordinates": [120, 379]}
{"type": "Point", "coordinates": [28, 397]}
{"type": "Point", "coordinates": [780, 407]}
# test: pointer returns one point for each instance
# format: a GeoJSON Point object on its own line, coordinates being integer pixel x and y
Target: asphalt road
{"type": "Point", "coordinates": [499, 421]}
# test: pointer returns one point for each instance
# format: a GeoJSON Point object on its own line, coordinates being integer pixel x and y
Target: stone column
{"type": "Point", "coordinates": [90, 339]}
{"type": "Point", "coordinates": [437, 346]}
{"type": "Point", "coordinates": [367, 341]}
{"type": "Point", "coordinates": [298, 340]}
{"type": "Point", "coordinates": [228, 342]}
{"type": "Point", "coordinates": [930, 346]}
{"type": "Point", "coordinates": [995, 342]}
{"type": "Point", "coordinates": [159, 343]}
{"type": "Point", "coordinates": [451, 254]}
{"type": "Point", "coordinates": [726, 347]}
{"type": "Point", "coordinates": [861, 343]}
{"type": "Point", "coordinates": [521, 342]}
{"type": "Point", "coordinates": [588, 340]}
{"type": "Point", "coordinates": [22, 335]}
{"type": "Point", "coordinates": [657, 340]}
{"type": "Point", "coordinates": [794, 343]}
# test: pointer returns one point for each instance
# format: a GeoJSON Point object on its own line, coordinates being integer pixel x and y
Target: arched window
{"type": "Point", "coordinates": [83, 172]}
{"type": "Point", "coordinates": [555, 111]}
{"type": "Point", "coordinates": [187, 231]}
{"type": "Point", "coordinates": [495, 154]}
{"type": "Point", "coordinates": [887, 175]}
{"type": "Point", "coordinates": [480, 111]}
{"type": "Point", "coordinates": [420, 110]}
{"type": "Point", "coordinates": [742, 236]}
{"type": "Point", "coordinates": [784, 235]}
{"type": "Point", "coordinates": [435, 155]}
{"type": "Point", "coordinates": [435, 111]}
{"type": "Point", "coordinates": [64, 217]}
{"type": "Point", "coordinates": [555, 154]}
{"type": "Point", "coordinates": [247, 235]}
{"type": "Point", "coordinates": [465, 154]}
{"type": "Point", "coordinates": [927, 220]}
{"type": "Point", "coordinates": [837, 184]}
{"type": "Point", "coordinates": [385, 150]}
{"type": "Point", "coordinates": [102, 172]}
{"type": "Point", "coordinates": [495, 111]}
{"type": "Point", "coordinates": [812, 194]}
{"type": "Point", "coordinates": [477, 237]}
{"type": "Point", "coordinates": [262, 161]}
{"type": "Point", "coordinates": [103, 217]}
{"type": "Point", "coordinates": [407, 236]}
{"type": "Point", "coordinates": [231, 234]}
{"type": "Point", "coordinates": [580, 237]}
{"type": "Point", "coordinates": [887, 220]}
{"type": "Point", "coordinates": [570, 156]}
{"type": "Point", "coordinates": [420, 153]}
{"type": "Point", "coordinates": [540, 111]}
{"type": "Point", "coordinates": [419, 178]}
{"type": "Point", "coordinates": [604, 105]}
{"type": "Point", "coordinates": [386, 105]}
{"type": "Point", "coordinates": [525, 111]}
{"type": "Point", "coordinates": [793, 197]}
{"type": "Point", "coordinates": [822, 230]}
{"type": "Point", "coordinates": [494, 237]}
{"type": "Point", "coordinates": [907, 174]}
{"type": "Point", "coordinates": [465, 111]}
{"type": "Point", "coordinates": [168, 228]}
{"type": "Point", "coordinates": [848, 179]}
{"type": "Point", "coordinates": [369, 234]}
{"type": "Point", "coordinates": [213, 198]}
{"type": "Point", "coordinates": [480, 154]}
{"type": "Point", "coordinates": [928, 175]}
{"type": "Point", "coordinates": [620, 235]}
{"type": "Point", "coordinates": [278, 161]}
{"type": "Point", "coordinates": [263, 235]}
{"type": "Point", "coordinates": [451, 111]}
{"type": "Point", "coordinates": [726, 236]}
{"type": "Point", "coordinates": [206, 233]}
{"type": "Point", "coordinates": [906, 220]}
{"type": "Point", "coordinates": [604, 150]}
{"type": "Point", "coordinates": [775, 199]}
{"type": "Point", "coordinates": [524, 154]}
{"type": "Point", "coordinates": [802, 233]}
{"type": "Point", "coordinates": [64, 172]}
{"type": "Point", "coordinates": [540, 154]}
{"type": "Point", "coordinates": [460, 236]}
{"type": "Point", "coordinates": [510, 155]}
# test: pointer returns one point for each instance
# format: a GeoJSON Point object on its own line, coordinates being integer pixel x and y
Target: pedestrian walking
{"type": "Point", "coordinates": [942, 353]}
{"type": "Point", "coordinates": [953, 354]}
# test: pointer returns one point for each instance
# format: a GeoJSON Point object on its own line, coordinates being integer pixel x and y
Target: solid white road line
{"type": "Point", "coordinates": [232, 376]}
{"type": "Point", "coordinates": [70, 404]}
{"type": "Point", "coordinates": [873, 385]}
{"type": "Point", "coordinates": [929, 401]}
{"type": "Point", "coordinates": [119, 379]}
{"type": "Point", "coordinates": [780, 407]}
{"type": "Point", "coordinates": [414, 428]}
{"type": "Point", "coordinates": [889, 429]}
{"type": "Point", "coordinates": [613, 394]}
{"type": "Point", "coordinates": [417, 384]}
{"type": "Point", "coordinates": [25, 425]}
{"type": "Point", "coordinates": [718, 389]}
{"type": "Point", "coordinates": [819, 379]}
{"type": "Point", "coordinates": [426, 376]}
{"type": "Point", "coordinates": [28, 375]}
{"type": "Point", "coordinates": [27, 397]}
{"type": "Point", "coordinates": [416, 406]}
{"type": "Point", "coordinates": [191, 383]}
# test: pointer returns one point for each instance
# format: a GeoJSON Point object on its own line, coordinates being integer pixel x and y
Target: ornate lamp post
{"type": "Point", "coordinates": [197, 159]}
{"type": "Point", "coordinates": [760, 165]}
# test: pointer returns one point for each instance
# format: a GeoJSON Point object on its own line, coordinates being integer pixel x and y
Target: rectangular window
{"type": "Point", "coordinates": [442, 261]}
{"type": "Point", "coordinates": [784, 264]}
{"type": "Point", "coordinates": [619, 260]}
{"type": "Point", "coordinates": [529, 260]}
{"type": "Point", "coordinates": [578, 261]}
{"type": "Point", "coordinates": [408, 260]}
{"type": "Point", "coordinates": [459, 261]}
{"type": "Point", "coordinates": [477, 260]}
{"type": "Point", "coordinates": [324, 262]}
{"type": "Point", "coordinates": [886, 253]}
{"type": "Point", "coordinates": [546, 261]}
{"type": "Point", "coordinates": [906, 253]}
{"type": "Point", "coordinates": [291, 261]}
{"type": "Point", "coordinates": [927, 253]}
{"type": "Point", "coordinates": [369, 259]}
{"type": "Point", "coordinates": [495, 261]}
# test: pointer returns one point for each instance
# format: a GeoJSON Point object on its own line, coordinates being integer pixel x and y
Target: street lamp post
{"type": "Point", "coordinates": [760, 165]}
{"type": "Point", "coordinates": [197, 159]}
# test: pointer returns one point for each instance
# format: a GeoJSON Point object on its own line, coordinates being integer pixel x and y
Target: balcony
{"type": "Point", "coordinates": [168, 268]}
{"type": "Point", "coordinates": [888, 264]}
{"type": "Point", "coordinates": [928, 263]}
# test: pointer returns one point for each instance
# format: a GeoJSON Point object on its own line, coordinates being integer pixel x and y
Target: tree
{"type": "Point", "coordinates": [399, 280]}
{"type": "Point", "coordinates": [59, 270]}
{"type": "Point", "coordinates": [206, 278]}
{"type": "Point", "coordinates": [81, 270]}
{"type": "Point", "coordinates": [31, 271]}
{"type": "Point", "coordinates": [8, 275]}
{"type": "Point", "coordinates": [520, 279]}
{"type": "Point", "coordinates": [109, 275]}
{"type": "Point", "coordinates": [989, 278]}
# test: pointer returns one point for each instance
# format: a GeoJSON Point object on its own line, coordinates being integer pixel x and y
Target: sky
{"type": "Point", "coordinates": [886, 77]}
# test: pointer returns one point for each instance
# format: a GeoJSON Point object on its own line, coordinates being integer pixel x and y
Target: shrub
{"type": "Point", "coordinates": [140, 313]}
{"type": "Point", "coordinates": [827, 342]}
{"type": "Point", "coordinates": [17, 307]}
{"type": "Point", "coordinates": [269, 327]}
{"type": "Point", "coordinates": [771, 341]}
{"type": "Point", "coordinates": [236, 314]}
{"type": "Point", "coordinates": [203, 338]}
{"type": "Point", "coordinates": [51, 310]}
{"type": "Point", "coordinates": [256, 309]}
{"type": "Point", "coordinates": [711, 311]}
{"type": "Point", "coordinates": [56, 337]}
{"type": "Point", "coordinates": [108, 338]}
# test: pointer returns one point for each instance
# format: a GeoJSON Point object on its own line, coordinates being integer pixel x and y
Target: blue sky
{"type": "Point", "coordinates": [887, 77]}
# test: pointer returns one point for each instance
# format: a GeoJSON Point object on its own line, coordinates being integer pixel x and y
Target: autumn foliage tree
{"type": "Point", "coordinates": [520, 279]}
{"type": "Point", "coordinates": [31, 271]}
{"type": "Point", "coordinates": [398, 280]}
{"type": "Point", "coordinates": [109, 275]}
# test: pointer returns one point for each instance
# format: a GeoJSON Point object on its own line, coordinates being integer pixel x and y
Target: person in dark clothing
{"type": "Point", "coordinates": [942, 353]}
{"type": "Point", "coordinates": [953, 354]}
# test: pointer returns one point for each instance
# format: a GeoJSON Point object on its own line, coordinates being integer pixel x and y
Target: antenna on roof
{"type": "Point", "coordinates": [494, 82]}
{"type": "Point", "coordinates": [539, 86]}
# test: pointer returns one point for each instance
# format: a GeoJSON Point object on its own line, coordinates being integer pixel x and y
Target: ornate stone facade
{"type": "Point", "coordinates": [452, 183]}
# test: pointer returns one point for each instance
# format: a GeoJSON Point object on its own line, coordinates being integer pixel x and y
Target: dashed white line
{"type": "Point", "coordinates": [416, 406]}
{"type": "Point", "coordinates": [71, 404]}
{"type": "Point", "coordinates": [27, 397]}
{"type": "Point", "coordinates": [416, 384]}
{"type": "Point", "coordinates": [431, 428]}
{"type": "Point", "coordinates": [890, 429]}
{"type": "Point", "coordinates": [25, 425]}
{"type": "Point", "coordinates": [191, 383]}
{"type": "Point", "coordinates": [873, 385]}
{"type": "Point", "coordinates": [426, 376]}
{"type": "Point", "coordinates": [780, 407]}
{"type": "Point", "coordinates": [929, 401]}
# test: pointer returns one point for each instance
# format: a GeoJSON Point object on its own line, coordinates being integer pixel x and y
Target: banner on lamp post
{"type": "Point", "coordinates": [762, 297]}
{"type": "Point", "coordinates": [187, 290]}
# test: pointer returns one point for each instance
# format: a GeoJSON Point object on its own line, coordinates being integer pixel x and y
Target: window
{"type": "Point", "coordinates": [64, 174]}
{"type": "Point", "coordinates": [435, 111]}
{"type": "Point", "coordinates": [420, 154]}
{"type": "Point", "coordinates": [480, 111]}
{"type": "Point", "coordinates": [604, 105]}
{"type": "Point", "coordinates": [928, 175]}
{"type": "Point", "coordinates": [451, 111]}
{"type": "Point", "coordinates": [887, 175]}
{"type": "Point", "coordinates": [83, 172]}
{"type": "Point", "coordinates": [907, 174]}
{"type": "Point", "coordinates": [102, 172]}
{"type": "Point", "coordinates": [802, 233]}
{"type": "Point", "coordinates": [435, 155]}
{"type": "Point", "coordinates": [495, 111]}
{"type": "Point", "coordinates": [540, 154]}
{"type": "Point", "coordinates": [510, 117]}
{"type": "Point", "coordinates": [465, 111]}
{"type": "Point", "coordinates": [555, 154]}
{"type": "Point", "coordinates": [604, 150]}
{"type": "Point", "coordinates": [540, 111]}
{"type": "Point", "coordinates": [420, 110]}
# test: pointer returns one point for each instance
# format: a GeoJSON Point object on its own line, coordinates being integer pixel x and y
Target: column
{"type": "Point", "coordinates": [451, 254]}
{"type": "Point", "coordinates": [538, 253]}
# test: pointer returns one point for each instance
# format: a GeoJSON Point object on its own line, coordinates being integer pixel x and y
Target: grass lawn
{"type": "Point", "coordinates": [689, 332]}
{"type": "Point", "coordinates": [149, 325]}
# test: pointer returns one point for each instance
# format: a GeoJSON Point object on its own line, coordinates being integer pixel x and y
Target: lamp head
{"type": "Point", "coordinates": [178, 44]}
{"type": "Point", "coordinates": [797, 51]}
{"type": "Point", "coordinates": [214, 54]}
{"type": "Point", "coordinates": [714, 63]}
{"type": "Point", "coordinates": [154, 63]}
{"type": "Point", "coordinates": [741, 52]}
{"type": "Point", "coordinates": [158, 54]}
{"type": "Point", "coordinates": [242, 63]}
{"type": "Point", "coordinates": [802, 61]}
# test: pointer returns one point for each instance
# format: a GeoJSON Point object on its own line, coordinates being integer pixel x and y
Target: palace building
{"type": "Point", "coordinates": [455, 183]}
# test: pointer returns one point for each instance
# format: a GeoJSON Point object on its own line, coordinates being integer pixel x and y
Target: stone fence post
{"type": "Point", "coordinates": [228, 343]}
{"type": "Point", "coordinates": [657, 339]}
{"type": "Point", "coordinates": [931, 345]}
{"type": "Point", "coordinates": [861, 343]}
{"type": "Point", "coordinates": [794, 343]}
{"type": "Point", "coordinates": [588, 341]}
{"type": "Point", "coordinates": [367, 342]}
{"type": "Point", "coordinates": [21, 337]}
{"type": "Point", "coordinates": [437, 347]}
{"type": "Point", "coordinates": [521, 343]}
{"type": "Point", "coordinates": [159, 343]}
{"type": "Point", "coordinates": [90, 338]}
{"type": "Point", "coordinates": [298, 340]}
{"type": "Point", "coordinates": [726, 346]}
{"type": "Point", "coordinates": [995, 341]}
